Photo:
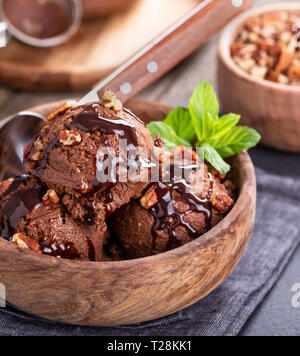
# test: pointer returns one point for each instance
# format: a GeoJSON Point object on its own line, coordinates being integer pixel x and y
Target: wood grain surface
{"type": "Point", "coordinates": [96, 8]}
{"type": "Point", "coordinates": [125, 292]}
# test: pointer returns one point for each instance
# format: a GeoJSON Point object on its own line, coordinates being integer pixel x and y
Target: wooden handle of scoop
{"type": "Point", "coordinates": [169, 49]}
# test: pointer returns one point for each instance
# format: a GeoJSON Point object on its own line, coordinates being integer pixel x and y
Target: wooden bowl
{"type": "Point", "coordinates": [272, 109]}
{"type": "Point", "coordinates": [98, 8]}
{"type": "Point", "coordinates": [126, 292]}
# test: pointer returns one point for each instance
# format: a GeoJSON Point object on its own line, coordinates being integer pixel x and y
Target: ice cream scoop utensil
{"type": "Point", "coordinates": [14, 135]}
{"type": "Point", "coordinates": [44, 23]}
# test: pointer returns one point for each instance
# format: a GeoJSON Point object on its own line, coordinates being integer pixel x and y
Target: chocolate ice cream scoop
{"type": "Point", "coordinates": [34, 218]}
{"type": "Point", "coordinates": [69, 155]}
{"type": "Point", "coordinates": [173, 213]}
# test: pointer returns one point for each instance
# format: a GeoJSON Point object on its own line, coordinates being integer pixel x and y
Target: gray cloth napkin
{"type": "Point", "coordinates": [226, 310]}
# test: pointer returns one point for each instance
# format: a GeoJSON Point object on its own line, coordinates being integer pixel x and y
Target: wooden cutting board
{"type": "Point", "coordinates": [99, 46]}
{"type": "Point", "coordinates": [95, 8]}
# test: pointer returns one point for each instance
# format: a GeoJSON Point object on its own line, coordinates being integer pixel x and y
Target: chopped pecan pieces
{"type": "Point", "coordinates": [285, 59]}
{"type": "Point", "coordinates": [222, 202]}
{"type": "Point", "coordinates": [294, 73]}
{"type": "Point", "coordinates": [69, 137]}
{"type": "Point", "coordinates": [182, 153]}
{"type": "Point", "coordinates": [27, 243]}
{"type": "Point", "coordinates": [51, 196]}
{"type": "Point", "coordinates": [150, 198]}
{"type": "Point", "coordinates": [38, 145]}
{"type": "Point", "coordinates": [62, 109]}
{"type": "Point", "coordinates": [36, 153]}
{"type": "Point", "coordinates": [5, 185]}
{"type": "Point", "coordinates": [110, 101]}
{"type": "Point", "coordinates": [268, 47]}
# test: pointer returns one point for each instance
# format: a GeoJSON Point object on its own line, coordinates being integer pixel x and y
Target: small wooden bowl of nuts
{"type": "Point", "coordinates": [259, 72]}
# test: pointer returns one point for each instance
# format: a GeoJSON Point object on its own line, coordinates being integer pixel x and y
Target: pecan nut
{"type": "Point", "coordinates": [36, 153]}
{"type": "Point", "coordinates": [5, 185]}
{"type": "Point", "coordinates": [69, 137]}
{"type": "Point", "coordinates": [26, 243]}
{"type": "Point", "coordinates": [182, 153]}
{"type": "Point", "coordinates": [259, 72]}
{"type": "Point", "coordinates": [222, 202]}
{"type": "Point", "coordinates": [285, 59]}
{"type": "Point", "coordinates": [150, 198]}
{"type": "Point", "coordinates": [51, 196]}
{"type": "Point", "coordinates": [110, 101]}
{"type": "Point", "coordinates": [61, 110]}
{"type": "Point", "coordinates": [294, 72]}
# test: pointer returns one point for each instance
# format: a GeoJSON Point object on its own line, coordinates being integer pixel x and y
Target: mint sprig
{"type": "Point", "coordinates": [215, 159]}
{"type": "Point", "coordinates": [180, 120]}
{"type": "Point", "coordinates": [204, 110]}
{"type": "Point", "coordinates": [220, 137]}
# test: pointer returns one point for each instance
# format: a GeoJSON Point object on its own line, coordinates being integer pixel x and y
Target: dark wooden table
{"type": "Point", "coordinates": [275, 316]}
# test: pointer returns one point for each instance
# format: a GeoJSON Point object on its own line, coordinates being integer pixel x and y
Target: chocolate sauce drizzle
{"type": "Point", "coordinates": [65, 250]}
{"type": "Point", "coordinates": [16, 208]}
{"type": "Point", "coordinates": [42, 165]}
{"type": "Point", "coordinates": [133, 115]}
{"type": "Point", "coordinates": [109, 198]}
{"type": "Point", "coordinates": [89, 212]}
{"type": "Point", "coordinates": [89, 120]}
{"type": "Point", "coordinates": [167, 216]}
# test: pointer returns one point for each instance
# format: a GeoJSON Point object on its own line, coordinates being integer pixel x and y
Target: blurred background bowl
{"type": "Point", "coordinates": [16, 13]}
{"type": "Point", "coordinates": [272, 109]}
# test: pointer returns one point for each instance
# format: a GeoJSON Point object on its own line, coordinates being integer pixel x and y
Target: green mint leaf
{"type": "Point", "coordinates": [167, 134]}
{"type": "Point", "coordinates": [236, 140]}
{"type": "Point", "coordinates": [204, 109]}
{"type": "Point", "coordinates": [213, 157]}
{"type": "Point", "coordinates": [180, 120]}
{"type": "Point", "coordinates": [222, 126]}
{"type": "Point", "coordinates": [219, 137]}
